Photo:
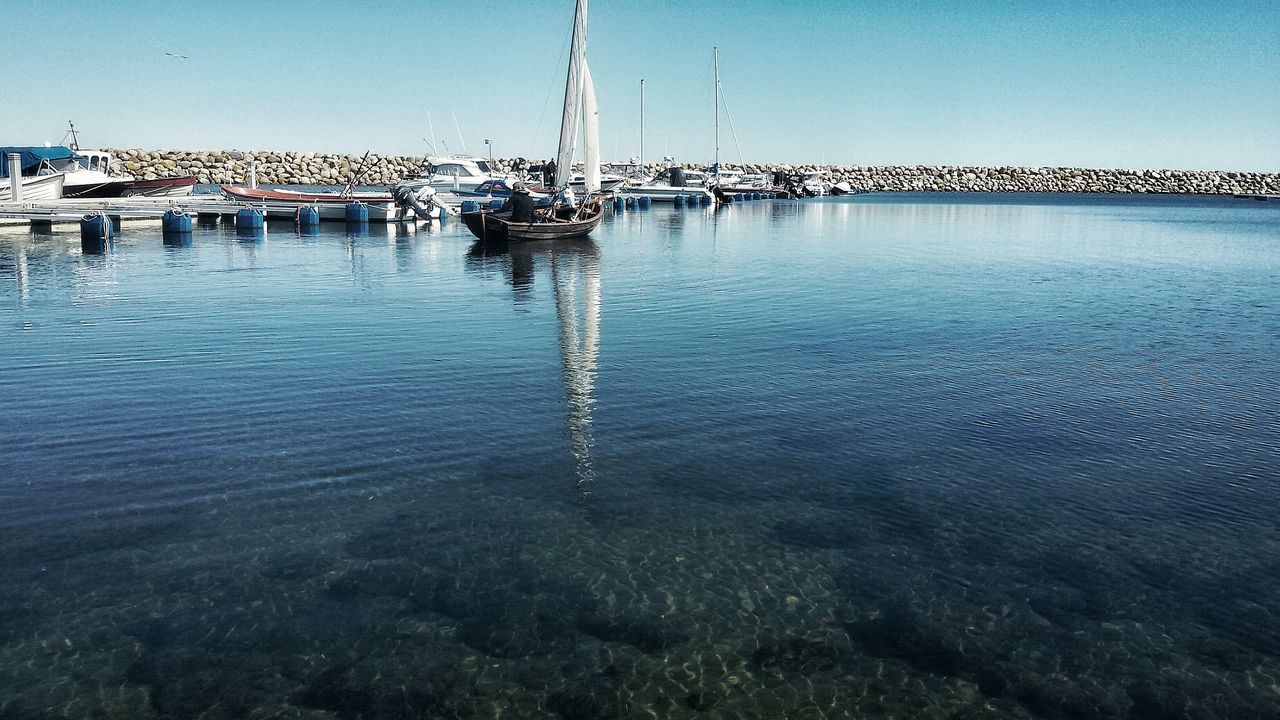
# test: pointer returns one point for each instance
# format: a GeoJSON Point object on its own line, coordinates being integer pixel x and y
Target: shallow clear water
{"type": "Point", "coordinates": [886, 456]}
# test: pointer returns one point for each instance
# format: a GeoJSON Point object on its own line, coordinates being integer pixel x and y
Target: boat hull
{"type": "Point", "coordinates": [278, 204]}
{"type": "Point", "coordinates": [495, 225]}
{"type": "Point", "coordinates": [161, 187]}
{"type": "Point", "coordinates": [104, 189]}
{"type": "Point", "coordinates": [39, 187]}
{"type": "Point", "coordinates": [239, 192]}
{"type": "Point", "coordinates": [666, 193]}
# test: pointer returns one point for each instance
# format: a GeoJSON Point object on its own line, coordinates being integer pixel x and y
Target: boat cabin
{"type": "Point", "coordinates": [457, 167]}
{"type": "Point", "coordinates": [39, 160]}
{"type": "Point", "coordinates": [56, 159]}
{"type": "Point", "coordinates": [95, 160]}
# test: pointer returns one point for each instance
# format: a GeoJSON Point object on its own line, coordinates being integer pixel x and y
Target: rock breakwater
{"type": "Point", "coordinates": [298, 168]}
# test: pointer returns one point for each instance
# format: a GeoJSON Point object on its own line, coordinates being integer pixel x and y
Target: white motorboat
{"type": "Point", "coordinates": [670, 183]}
{"type": "Point", "coordinates": [87, 173]}
{"type": "Point", "coordinates": [461, 173]}
{"type": "Point", "coordinates": [91, 174]}
{"type": "Point", "coordinates": [34, 188]}
{"type": "Point", "coordinates": [815, 183]}
{"type": "Point", "coordinates": [608, 183]}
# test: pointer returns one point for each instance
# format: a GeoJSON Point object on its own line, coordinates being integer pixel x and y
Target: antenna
{"type": "Point", "coordinates": [432, 129]}
{"type": "Point", "coordinates": [641, 125]}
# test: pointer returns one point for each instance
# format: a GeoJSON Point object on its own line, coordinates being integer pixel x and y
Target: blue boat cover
{"type": "Point", "coordinates": [32, 157]}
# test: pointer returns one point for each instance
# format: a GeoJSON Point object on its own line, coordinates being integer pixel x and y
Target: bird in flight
{"type": "Point", "coordinates": [184, 57]}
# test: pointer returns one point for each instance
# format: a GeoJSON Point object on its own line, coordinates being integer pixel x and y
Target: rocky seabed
{"type": "Point", "coordinates": [297, 168]}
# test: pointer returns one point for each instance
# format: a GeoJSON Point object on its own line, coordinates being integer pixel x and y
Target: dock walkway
{"type": "Point", "coordinates": [72, 210]}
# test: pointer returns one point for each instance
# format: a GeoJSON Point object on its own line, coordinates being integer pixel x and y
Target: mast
{"type": "Point", "coordinates": [716, 52]}
{"type": "Point", "coordinates": [641, 169]}
{"type": "Point", "coordinates": [572, 96]}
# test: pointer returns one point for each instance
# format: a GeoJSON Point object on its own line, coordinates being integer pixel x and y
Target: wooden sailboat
{"type": "Point", "coordinates": [560, 221]}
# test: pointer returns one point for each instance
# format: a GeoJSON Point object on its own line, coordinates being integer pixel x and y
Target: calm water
{"type": "Point", "coordinates": [888, 456]}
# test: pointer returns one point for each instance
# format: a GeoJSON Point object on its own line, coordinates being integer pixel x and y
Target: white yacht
{"type": "Point", "coordinates": [86, 173]}
{"type": "Point", "coordinates": [815, 183]}
{"type": "Point", "coordinates": [608, 183]}
{"type": "Point", "coordinates": [460, 173]}
{"type": "Point", "coordinates": [670, 183]}
{"type": "Point", "coordinates": [92, 174]}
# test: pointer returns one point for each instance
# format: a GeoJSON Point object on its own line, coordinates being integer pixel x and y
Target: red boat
{"type": "Point", "coordinates": [253, 194]}
{"type": "Point", "coordinates": [381, 207]}
{"type": "Point", "coordinates": [161, 187]}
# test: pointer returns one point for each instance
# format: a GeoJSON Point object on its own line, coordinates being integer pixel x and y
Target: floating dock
{"type": "Point", "coordinates": [124, 209]}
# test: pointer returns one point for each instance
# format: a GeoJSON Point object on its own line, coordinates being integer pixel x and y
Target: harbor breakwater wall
{"type": "Point", "coordinates": [296, 168]}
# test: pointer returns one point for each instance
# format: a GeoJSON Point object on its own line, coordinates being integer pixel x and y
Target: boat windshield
{"type": "Point", "coordinates": [484, 167]}
{"type": "Point", "coordinates": [458, 170]}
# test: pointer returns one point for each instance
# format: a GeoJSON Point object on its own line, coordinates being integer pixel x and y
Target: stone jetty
{"type": "Point", "coordinates": [298, 168]}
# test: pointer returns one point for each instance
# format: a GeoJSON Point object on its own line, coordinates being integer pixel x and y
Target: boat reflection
{"type": "Point", "coordinates": [574, 266]}
{"type": "Point", "coordinates": [13, 263]}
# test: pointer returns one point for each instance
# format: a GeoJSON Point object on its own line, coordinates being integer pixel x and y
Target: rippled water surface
{"type": "Point", "coordinates": [880, 457]}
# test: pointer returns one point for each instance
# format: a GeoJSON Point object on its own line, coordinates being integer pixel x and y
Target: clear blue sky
{"type": "Point", "coordinates": [1172, 84]}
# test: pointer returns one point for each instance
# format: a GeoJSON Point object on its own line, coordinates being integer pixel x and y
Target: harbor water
{"type": "Point", "coordinates": [887, 456]}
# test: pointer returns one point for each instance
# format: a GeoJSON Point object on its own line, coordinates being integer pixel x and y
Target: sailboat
{"type": "Point", "coordinates": [673, 181]}
{"type": "Point", "coordinates": [561, 220]}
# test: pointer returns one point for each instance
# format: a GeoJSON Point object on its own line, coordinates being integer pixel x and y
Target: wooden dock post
{"type": "Point", "coordinates": [15, 177]}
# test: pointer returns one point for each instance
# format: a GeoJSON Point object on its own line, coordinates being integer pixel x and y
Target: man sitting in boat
{"type": "Point", "coordinates": [521, 203]}
{"type": "Point", "coordinates": [567, 198]}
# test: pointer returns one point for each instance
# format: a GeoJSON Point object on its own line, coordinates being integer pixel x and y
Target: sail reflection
{"type": "Point", "coordinates": [575, 279]}
{"type": "Point", "coordinates": [579, 319]}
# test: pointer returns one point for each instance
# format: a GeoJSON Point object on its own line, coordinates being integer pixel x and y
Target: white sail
{"type": "Point", "coordinates": [590, 131]}
{"type": "Point", "coordinates": [572, 95]}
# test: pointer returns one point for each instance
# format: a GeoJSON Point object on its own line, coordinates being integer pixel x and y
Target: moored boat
{"type": "Point", "coordinates": [241, 192]}
{"type": "Point", "coordinates": [330, 206]}
{"type": "Point", "coordinates": [671, 183]}
{"type": "Point", "coordinates": [91, 174]}
{"type": "Point", "coordinates": [88, 173]}
{"type": "Point", "coordinates": [161, 187]}
{"type": "Point", "coordinates": [457, 173]}
{"type": "Point", "coordinates": [39, 187]}
{"type": "Point", "coordinates": [548, 224]}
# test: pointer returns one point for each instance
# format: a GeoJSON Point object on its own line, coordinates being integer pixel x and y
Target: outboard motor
{"type": "Point", "coordinates": [406, 200]}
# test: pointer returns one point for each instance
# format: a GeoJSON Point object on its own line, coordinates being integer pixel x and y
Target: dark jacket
{"type": "Point", "coordinates": [521, 207]}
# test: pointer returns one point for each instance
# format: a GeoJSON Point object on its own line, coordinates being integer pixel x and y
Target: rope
{"type": "Point", "coordinates": [732, 130]}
